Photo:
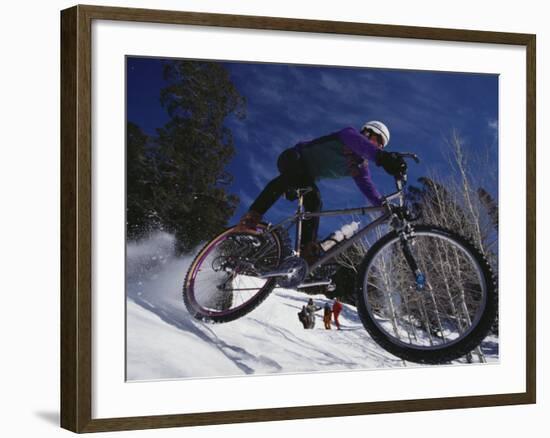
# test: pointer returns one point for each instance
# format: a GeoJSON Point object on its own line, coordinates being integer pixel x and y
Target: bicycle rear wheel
{"type": "Point", "coordinates": [222, 283]}
{"type": "Point", "coordinates": [444, 320]}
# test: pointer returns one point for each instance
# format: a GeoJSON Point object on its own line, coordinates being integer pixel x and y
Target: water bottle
{"type": "Point", "coordinates": [343, 233]}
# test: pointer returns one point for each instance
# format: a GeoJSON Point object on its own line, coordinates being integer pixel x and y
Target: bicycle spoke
{"type": "Point", "coordinates": [223, 282]}
{"type": "Point", "coordinates": [443, 311]}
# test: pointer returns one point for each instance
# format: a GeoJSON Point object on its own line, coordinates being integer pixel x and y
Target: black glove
{"type": "Point", "coordinates": [392, 163]}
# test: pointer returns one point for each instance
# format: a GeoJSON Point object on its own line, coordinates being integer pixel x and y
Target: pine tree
{"type": "Point", "coordinates": [490, 206]}
{"type": "Point", "coordinates": [140, 209]}
{"type": "Point", "coordinates": [179, 182]}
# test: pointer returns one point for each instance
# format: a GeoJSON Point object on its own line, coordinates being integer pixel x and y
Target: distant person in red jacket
{"type": "Point", "coordinates": [336, 309]}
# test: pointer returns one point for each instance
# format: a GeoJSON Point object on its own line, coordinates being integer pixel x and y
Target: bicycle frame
{"type": "Point", "coordinates": [340, 247]}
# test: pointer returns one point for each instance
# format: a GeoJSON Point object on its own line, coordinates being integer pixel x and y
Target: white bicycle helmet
{"type": "Point", "coordinates": [380, 129]}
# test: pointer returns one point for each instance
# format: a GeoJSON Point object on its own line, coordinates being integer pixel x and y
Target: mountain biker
{"type": "Point", "coordinates": [343, 153]}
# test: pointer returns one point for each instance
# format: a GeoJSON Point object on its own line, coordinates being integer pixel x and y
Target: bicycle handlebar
{"type": "Point", "coordinates": [408, 155]}
{"type": "Point", "coordinates": [401, 179]}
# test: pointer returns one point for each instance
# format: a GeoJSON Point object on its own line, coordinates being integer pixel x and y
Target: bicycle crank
{"type": "Point", "coordinates": [290, 273]}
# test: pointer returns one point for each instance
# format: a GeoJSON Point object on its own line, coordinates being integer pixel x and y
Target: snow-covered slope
{"type": "Point", "coordinates": [165, 342]}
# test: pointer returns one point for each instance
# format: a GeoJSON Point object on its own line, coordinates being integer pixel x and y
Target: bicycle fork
{"type": "Point", "coordinates": [419, 277]}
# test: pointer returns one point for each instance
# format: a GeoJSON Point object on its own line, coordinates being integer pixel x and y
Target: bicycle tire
{"type": "Point", "coordinates": [200, 311]}
{"type": "Point", "coordinates": [426, 354]}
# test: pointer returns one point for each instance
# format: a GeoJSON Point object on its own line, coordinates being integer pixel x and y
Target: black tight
{"type": "Point", "coordinates": [293, 175]}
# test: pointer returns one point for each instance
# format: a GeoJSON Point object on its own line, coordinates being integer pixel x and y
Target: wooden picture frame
{"type": "Point", "coordinates": [76, 217]}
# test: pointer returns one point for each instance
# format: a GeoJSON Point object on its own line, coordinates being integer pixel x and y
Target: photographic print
{"type": "Point", "coordinates": [251, 205]}
{"type": "Point", "coordinates": [289, 218]}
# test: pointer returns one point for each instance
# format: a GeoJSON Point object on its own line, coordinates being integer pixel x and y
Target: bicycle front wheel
{"type": "Point", "coordinates": [444, 319]}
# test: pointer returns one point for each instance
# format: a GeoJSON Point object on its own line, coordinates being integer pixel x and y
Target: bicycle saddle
{"type": "Point", "coordinates": [295, 193]}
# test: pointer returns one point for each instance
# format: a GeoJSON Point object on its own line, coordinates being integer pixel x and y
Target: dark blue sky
{"type": "Point", "coordinates": [290, 103]}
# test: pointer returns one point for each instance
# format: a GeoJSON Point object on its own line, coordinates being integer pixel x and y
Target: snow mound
{"type": "Point", "coordinates": [165, 342]}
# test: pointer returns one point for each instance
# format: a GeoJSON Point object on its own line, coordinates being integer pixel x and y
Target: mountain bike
{"type": "Point", "coordinates": [424, 293]}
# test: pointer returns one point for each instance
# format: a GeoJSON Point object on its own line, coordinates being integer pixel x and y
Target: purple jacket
{"type": "Point", "coordinates": [343, 153]}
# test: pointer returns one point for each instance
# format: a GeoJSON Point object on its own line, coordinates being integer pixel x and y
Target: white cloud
{"type": "Point", "coordinates": [260, 171]}
{"type": "Point", "coordinates": [245, 198]}
{"type": "Point", "coordinates": [331, 83]}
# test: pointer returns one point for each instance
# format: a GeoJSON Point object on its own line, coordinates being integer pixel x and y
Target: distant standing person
{"type": "Point", "coordinates": [336, 309]}
{"type": "Point", "coordinates": [327, 315]}
{"type": "Point", "coordinates": [303, 317]}
{"type": "Point", "coordinates": [311, 308]}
